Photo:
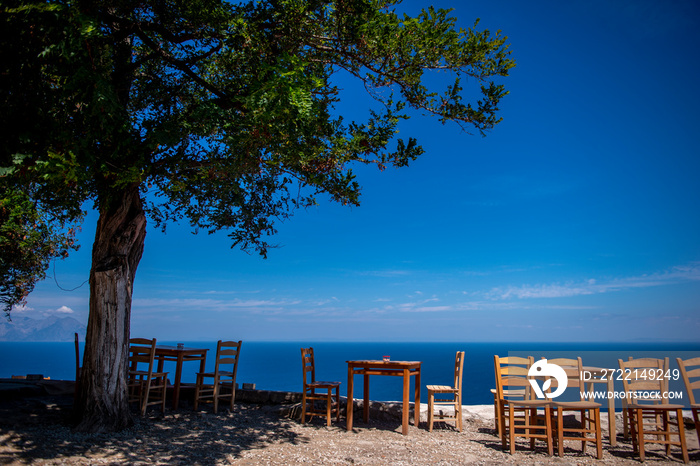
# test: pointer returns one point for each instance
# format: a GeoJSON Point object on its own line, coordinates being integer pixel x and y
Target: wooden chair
{"type": "Point", "coordinates": [530, 424]}
{"type": "Point", "coordinates": [227, 352]}
{"type": "Point", "coordinates": [309, 395]}
{"type": "Point", "coordinates": [588, 411]}
{"type": "Point", "coordinates": [649, 422]}
{"type": "Point", "coordinates": [146, 386]}
{"type": "Point", "coordinates": [625, 419]}
{"type": "Point", "coordinates": [691, 378]}
{"type": "Point", "coordinates": [451, 395]}
{"type": "Point", "coordinates": [512, 365]}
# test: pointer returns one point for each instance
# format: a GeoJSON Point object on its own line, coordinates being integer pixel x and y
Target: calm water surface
{"type": "Point", "coordinates": [277, 366]}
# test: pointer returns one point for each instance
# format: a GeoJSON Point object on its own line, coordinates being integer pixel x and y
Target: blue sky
{"type": "Point", "coordinates": [575, 219]}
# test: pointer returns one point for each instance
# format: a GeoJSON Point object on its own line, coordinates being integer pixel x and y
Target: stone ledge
{"type": "Point", "coordinates": [289, 402]}
{"type": "Point", "coordinates": [267, 397]}
{"type": "Point", "coordinates": [24, 387]}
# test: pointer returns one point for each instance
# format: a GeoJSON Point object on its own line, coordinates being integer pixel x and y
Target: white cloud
{"type": "Point", "coordinates": [22, 308]}
{"type": "Point", "coordinates": [64, 310]}
{"type": "Point", "coordinates": [323, 302]}
{"type": "Point", "coordinates": [675, 275]}
{"type": "Point", "coordinates": [428, 309]}
{"type": "Point", "coordinates": [540, 291]}
{"type": "Point", "coordinates": [385, 273]}
{"type": "Point", "coordinates": [203, 304]}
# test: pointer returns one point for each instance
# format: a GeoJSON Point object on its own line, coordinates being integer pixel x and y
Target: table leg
{"type": "Point", "coordinates": [416, 405]}
{"type": "Point", "coordinates": [351, 403]}
{"type": "Point", "coordinates": [178, 375]}
{"type": "Point", "coordinates": [611, 414]}
{"type": "Point", "coordinates": [406, 406]}
{"type": "Point", "coordinates": [365, 412]}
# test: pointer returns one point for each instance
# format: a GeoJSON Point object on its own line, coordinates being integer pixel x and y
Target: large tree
{"type": "Point", "coordinates": [216, 113]}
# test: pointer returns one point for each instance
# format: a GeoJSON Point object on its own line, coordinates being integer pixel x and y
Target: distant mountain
{"type": "Point", "coordinates": [49, 329]}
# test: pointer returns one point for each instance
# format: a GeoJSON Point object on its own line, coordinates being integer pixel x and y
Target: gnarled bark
{"type": "Point", "coordinates": [121, 230]}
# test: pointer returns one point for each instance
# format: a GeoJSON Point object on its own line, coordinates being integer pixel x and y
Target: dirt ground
{"type": "Point", "coordinates": [36, 430]}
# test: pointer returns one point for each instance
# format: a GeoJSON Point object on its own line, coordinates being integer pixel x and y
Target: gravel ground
{"type": "Point", "coordinates": [35, 430]}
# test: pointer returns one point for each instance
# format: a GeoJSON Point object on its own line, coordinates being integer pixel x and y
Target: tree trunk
{"type": "Point", "coordinates": [121, 230]}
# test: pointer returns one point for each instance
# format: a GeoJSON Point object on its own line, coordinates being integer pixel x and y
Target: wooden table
{"type": "Point", "coordinates": [179, 355]}
{"type": "Point", "coordinates": [602, 375]}
{"type": "Point", "coordinates": [403, 369]}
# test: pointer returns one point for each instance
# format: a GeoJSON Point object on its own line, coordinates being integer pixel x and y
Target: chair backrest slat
{"type": "Point", "coordinates": [643, 374]}
{"type": "Point", "coordinates": [515, 360]}
{"type": "Point", "coordinates": [514, 370]}
{"type": "Point", "coordinates": [459, 366]}
{"type": "Point", "coordinates": [225, 349]}
{"type": "Point", "coordinates": [224, 361]}
{"type": "Point", "coordinates": [691, 362]}
{"type": "Point", "coordinates": [691, 378]}
{"type": "Point", "coordinates": [308, 363]}
{"type": "Point", "coordinates": [142, 351]}
{"type": "Point", "coordinates": [514, 382]}
{"type": "Point", "coordinates": [573, 368]}
{"type": "Point", "coordinates": [511, 372]}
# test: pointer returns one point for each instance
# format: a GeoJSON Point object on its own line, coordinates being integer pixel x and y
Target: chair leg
{"type": "Point", "coordinates": [217, 388]}
{"type": "Point", "coordinates": [560, 432]}
{"type": "Point", "coordinates": [598, 435]}
{"type": "Point", "coordinates": [144, 399]}
{"type": "Point", "coordinates": [337, 404]}
{"type": "Point", "coordinates": [548, 427]}
{"type": "Point", "coordinates": [431, 400]}
{"type": "Point", "coordinates": [497, 413]}
{"type": "Point", "coordinates": [505, 430]}
{"type": "Point", "coordinates": [667, 437]}
{"type": "Point", "coordinates": [164, 390]}
{"type": "Point", "coordinates": [584, 425]}
{"type": "Point", "coordinates": [502, 426]}
{"type": "Point", "coordinates": [233, 394]}
{"type": "Point", "coordinates": [458, 412]}
{"type": "Point", "coordinates": [640, 433]}
{"type": "Point", "coordinates": [303, 408]}
{"type": "Point", "coordinates": [532, 416]}
{"type": "Point", "coordinates": [681, 435]}
{"type": "Point", "coordinates": [197, 389]}
{"type": "Point", "coordinates": [697, 423]}
{"type": "Point", "coordinates": [626, 421]}
{"type": "Point", "coordinates": [135, 391]}
{"type": "Point", "coordinates": [632, 423]}
{"type": "Point", "coordinates": [511, 428]}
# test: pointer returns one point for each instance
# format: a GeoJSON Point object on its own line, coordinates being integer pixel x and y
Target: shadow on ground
{"type": "Point", "coordinates": [572, 449]}
{"type": "Point", "coordinates": [38, 429]}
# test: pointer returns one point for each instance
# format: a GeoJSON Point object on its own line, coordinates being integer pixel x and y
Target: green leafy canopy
{"type": "Point", "coordinates": [225, 113]}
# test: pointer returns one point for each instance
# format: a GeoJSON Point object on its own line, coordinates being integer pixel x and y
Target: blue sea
{"type": "Point", "coordinates": [277, 366]}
